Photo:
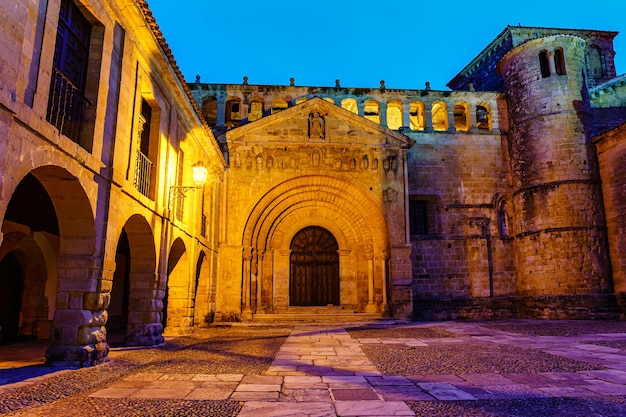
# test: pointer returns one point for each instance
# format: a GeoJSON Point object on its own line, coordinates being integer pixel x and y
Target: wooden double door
{"type": "Point", "coordinates": [314, 270]}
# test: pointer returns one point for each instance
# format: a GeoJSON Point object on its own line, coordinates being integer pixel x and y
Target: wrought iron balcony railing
{"type": "Point", "coordinates": [143, 168]}
{"type": "Point", "coordinates": [66, 106]}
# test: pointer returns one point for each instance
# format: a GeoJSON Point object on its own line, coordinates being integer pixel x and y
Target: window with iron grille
{"type": "Point", "coordinates": [67, 101]}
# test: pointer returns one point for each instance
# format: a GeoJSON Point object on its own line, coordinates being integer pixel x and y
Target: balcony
{"type": "Point", "coordinates": [66, 106]}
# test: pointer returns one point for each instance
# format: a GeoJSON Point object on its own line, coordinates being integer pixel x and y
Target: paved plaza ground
{"type": "Point", "coordinates": [455, 368]}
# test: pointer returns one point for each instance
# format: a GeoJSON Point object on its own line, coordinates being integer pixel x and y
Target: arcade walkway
{"type": "Point", "coordinates": [470, 368]}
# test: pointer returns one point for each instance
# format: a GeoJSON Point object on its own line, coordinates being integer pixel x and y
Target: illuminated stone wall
{"type": "Point", "coordinates": [560, 232]}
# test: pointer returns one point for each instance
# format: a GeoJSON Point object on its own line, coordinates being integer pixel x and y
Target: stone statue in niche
{"type": "Point", "coordinates": [365, 163]}
{"type": "Point", "coordinates": [316, 126]}
{"type": "Point", "coordinates": [316, 158]}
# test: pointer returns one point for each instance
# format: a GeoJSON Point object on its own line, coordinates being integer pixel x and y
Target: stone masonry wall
{"type": "Point", "coordinates": [560, 232]}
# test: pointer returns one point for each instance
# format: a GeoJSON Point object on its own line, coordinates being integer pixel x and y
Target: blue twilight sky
{"type": "Point", "coordinates": [360, 42]}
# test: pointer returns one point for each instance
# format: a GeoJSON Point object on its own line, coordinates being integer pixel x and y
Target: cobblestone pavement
{"type": "Point", "coordinates": [465, 368]}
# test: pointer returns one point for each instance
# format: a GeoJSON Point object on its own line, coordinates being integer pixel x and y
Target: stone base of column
{"type": "Point", "coordinates": [79, 356]}
{"type": "Point", "coordinates": [371, 308]}
{"type": "Point", "coordinates": [246, 315]}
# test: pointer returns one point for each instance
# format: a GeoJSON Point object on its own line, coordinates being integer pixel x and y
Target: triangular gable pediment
{"type": "Point", "coordinates": [318, 121]}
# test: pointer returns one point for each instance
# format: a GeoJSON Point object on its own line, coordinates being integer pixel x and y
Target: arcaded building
{"type": "Point", "coordinates": [105, 234]}
{"type": "Point", "coordinates": [134, 204]}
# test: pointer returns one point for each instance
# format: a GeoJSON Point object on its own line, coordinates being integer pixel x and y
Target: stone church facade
{"type": "Point", "coordinates": [501, 197]}
{"type": "Point", "coordinates": [506, 200]}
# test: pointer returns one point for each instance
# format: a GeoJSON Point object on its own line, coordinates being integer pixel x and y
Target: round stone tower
{"type": "Point", "coordinates": [559, 220]}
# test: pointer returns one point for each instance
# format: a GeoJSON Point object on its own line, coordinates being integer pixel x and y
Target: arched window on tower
{"type": "Point", "coordinates": [209, 110]}
{"type": "Point", "coordinates": [439, 113]}
{"type": "Point", "coordinates": [543, 63]}
{"type": "Point", "coordinates": [372, 110]}
{"type": "Point", "coordinates": [461, 116]}
{"type": "Point", "coordinates": [483, 119]}
{"type": "Point", "coordinates": [394, 114]}
{"type": "Point", "coordinates": [350, 105]}
{"type": "Point", "coordinates": [416, 115]}
{"type": "Point", "coordinates": [559, 61]}
{"type": "Point", "coordinates": [256, 109]}
{"type": "Point", "coordinates": [330, 100]}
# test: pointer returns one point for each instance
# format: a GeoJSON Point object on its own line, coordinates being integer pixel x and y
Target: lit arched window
{"type": "Point", "coordinates": [416, 115]}
{"type": "Point", "coordinates": [330, 100]}
{"type": "Point", "coordinates": [483, 119]}
{"type": "Point", "coordinates": [209, 110]}
{"type": "Point", "coordinates": [350, 105]}
{"type": "Point", "coordinates": [394, 114]}
{"type": "Point", "coordinates": [301, 99]}
{"type": "Point", "coordinates": [372, 110]}
{"type": "Point", "coordinates": [461, 119]}
{"type": "Point", "coordinates": [233, 112]}
{"type": "Point", "coordinates": [279, 104]}
{"type": "Point", "coordinates": [559, 61]}
{"type": "Point", "coordinates": [439, 112]}
{"type": "Point", "coordinates": [256, 109]}
{"type": "Point", "coordinates": [543, 63]}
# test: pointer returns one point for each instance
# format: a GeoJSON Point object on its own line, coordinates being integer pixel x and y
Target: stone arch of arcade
{"type": "Point", "coordinates": [136, 299]}
{"type": "Point", "coordinates": [338, 205]}
{"type": "Point", "coordinates": [178, 300]}
{"type": "Point", "coordinates": [64, 254]}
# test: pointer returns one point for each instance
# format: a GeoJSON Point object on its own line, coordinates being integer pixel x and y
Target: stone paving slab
{"type": "Point", "coordinates": [372, 408]}
{"type": "Point", "coordinates": [287, 409]}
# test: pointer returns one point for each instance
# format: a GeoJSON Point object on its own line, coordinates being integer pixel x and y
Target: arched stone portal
{"type": "Point", "coordinates": [314, 268]}
{"type": "Point", "coordinates": [340, 208]}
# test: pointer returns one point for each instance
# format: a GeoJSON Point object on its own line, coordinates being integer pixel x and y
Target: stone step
{"type": "Point", "coordinates": [318, 315]}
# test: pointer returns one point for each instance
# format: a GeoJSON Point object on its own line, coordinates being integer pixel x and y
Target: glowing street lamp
{"type": "Point", "coordinates": [200, 174]}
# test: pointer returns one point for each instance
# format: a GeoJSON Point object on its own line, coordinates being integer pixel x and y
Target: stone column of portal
{"type": "Point", "coordinates": [371, 307]}
{"type": "Point", "coordinates": [259, 281]}
{"type": "Point", "coordinates": [361, 108]}
{"type": "Point", "coordinates": [382, 259]}
{"type": "Point", "coordinates": [246, 313]}
{"type": "Point", "coordinates": [560, 232]}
